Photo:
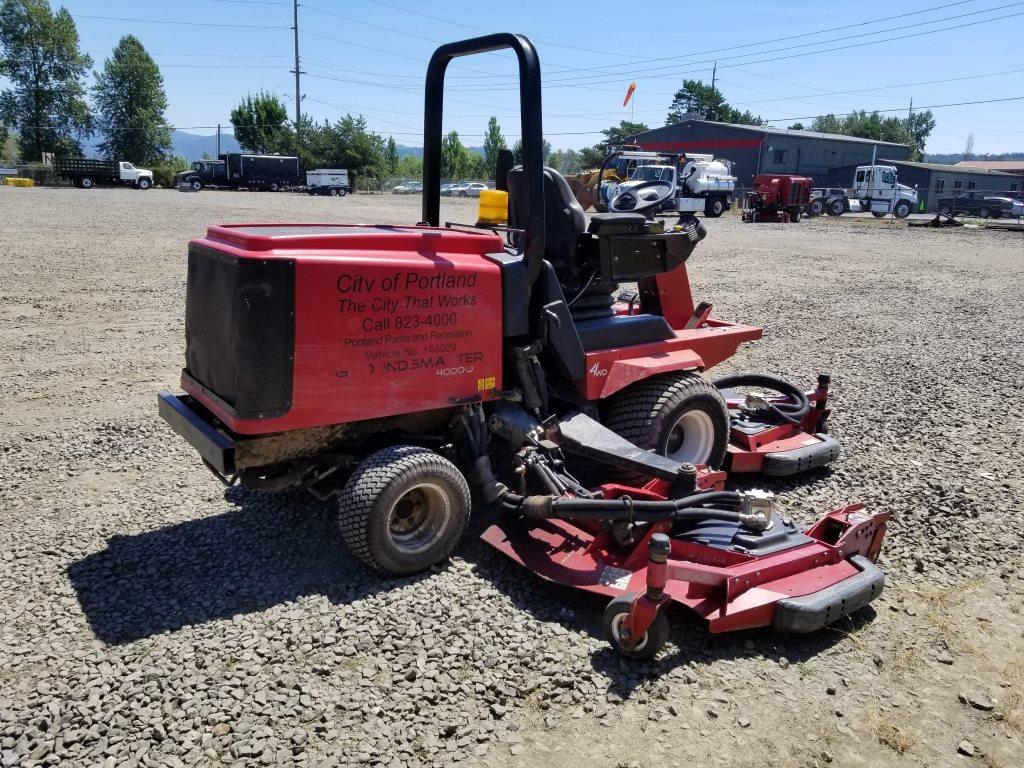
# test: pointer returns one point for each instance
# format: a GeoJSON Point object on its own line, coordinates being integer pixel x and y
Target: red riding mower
{"type": "Point", "coordinates": [394, 367]}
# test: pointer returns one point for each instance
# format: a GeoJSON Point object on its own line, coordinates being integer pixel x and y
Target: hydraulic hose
{"type": "Point", "coordinates": [711, 505]}
{"type": "Point", "coordinates": [794, 412]}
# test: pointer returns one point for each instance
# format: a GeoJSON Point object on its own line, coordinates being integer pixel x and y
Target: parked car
{"type": "Point", "coordinates": [472, 190]}
{"type": "Point", "coordinates": [408, 188]}
{"type": "Point", "coordinates": [980, 204]}
{"type": "Point", "coordinates": [446, 189]}
{"type": "Point", "coordinates": [454, 189]}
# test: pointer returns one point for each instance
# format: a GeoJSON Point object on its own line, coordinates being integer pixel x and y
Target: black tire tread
{"type": "Point", "coordinates": [633, 413]}
{"type": "Point", "coordinates": [370, 479]}
{"type": "Point", "coordinates": [657, 633]}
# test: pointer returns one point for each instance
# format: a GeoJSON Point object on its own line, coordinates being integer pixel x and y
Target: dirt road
{"type": "Point", "coordinates": [151, 618]}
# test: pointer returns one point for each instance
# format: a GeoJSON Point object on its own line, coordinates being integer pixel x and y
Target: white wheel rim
{"type": "Point", "coordinates": [419, 518]}
{"type": "Point", "coordinates": [617, 624]}
{"type": "Point", "coordinates": [691, 438]}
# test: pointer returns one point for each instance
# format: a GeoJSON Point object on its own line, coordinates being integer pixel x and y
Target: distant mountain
{"type": "Point", "coordinates": [403, 150]}
{"type": "Point", "coordinates": [956, 157]}
{"type": "Point", "coordinates": [191, 146]}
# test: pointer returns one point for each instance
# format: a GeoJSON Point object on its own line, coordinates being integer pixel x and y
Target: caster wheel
{"type": "Point", "coordinates": [654, 638]}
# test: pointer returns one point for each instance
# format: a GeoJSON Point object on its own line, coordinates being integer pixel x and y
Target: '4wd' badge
{"type": "Point", "coordinates": [597, 370]}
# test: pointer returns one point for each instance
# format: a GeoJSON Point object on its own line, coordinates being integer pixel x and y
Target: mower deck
{"type": "Point", "coordinates": [797, 581]}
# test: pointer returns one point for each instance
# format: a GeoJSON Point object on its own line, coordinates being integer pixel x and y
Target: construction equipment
{"type": "Point", "coordinates": [687, 183]}
{"type": "Point", "coordinates": [395, 367]}
{"type": "Point", "coordinates": [778, 198]}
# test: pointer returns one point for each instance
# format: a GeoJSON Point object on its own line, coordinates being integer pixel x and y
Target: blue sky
{"type": "Point", "coordinates": [368, 56]}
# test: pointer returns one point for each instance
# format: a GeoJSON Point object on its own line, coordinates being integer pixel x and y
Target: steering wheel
{"type": "Point", "coordinates": [629, 201]}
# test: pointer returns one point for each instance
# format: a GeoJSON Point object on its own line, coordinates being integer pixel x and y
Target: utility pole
{"type": "Point", "coordinates": [218, 139]}
{"type": "Point", "coordinates": [714, 71]}
{"type": "Point", "coordinates": [910, 112]}
{"type": "Point", "coordinates": [298, 87]}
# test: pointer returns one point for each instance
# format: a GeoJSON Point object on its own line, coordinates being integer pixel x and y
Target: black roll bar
{"type": "Point", "coordinates": [532, 244]}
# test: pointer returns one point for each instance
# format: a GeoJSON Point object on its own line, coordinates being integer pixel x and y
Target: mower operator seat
{"type": "Point", "coordinates": [564, 219]}
{"type": "Point", "coordinates": [571, 250]}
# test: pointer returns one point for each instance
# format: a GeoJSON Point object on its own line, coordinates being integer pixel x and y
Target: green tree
{"type": "Point", "coordinates": [354, 147]}
{"type": "Point", "coordinates": [409, 167]}
{"type": "Point", "coordinates": [45, 102]}
{"type": "Point", "coordinates": [391, 157]}
{"type": "Point", "coordinates": [455, 160]}
{"type": "Point", "coordinates": [919, 127]}
{"type": "Point", "coordinates": [796, 127]}
{"type": "Point", "coordinates": [261, 124]}
{"type": "Point", "coordinates": [494, 142]}
{"type": "Point", "coordinates": [130, 103]}
{"type": "Point", "coordinates": [592, 157]}
{"type": "Point", "coordinates": [517, 151]}
{"type": "Point", "coordinates": [872, 125]}
{"type": "Point", "coordinates": [697, 98]}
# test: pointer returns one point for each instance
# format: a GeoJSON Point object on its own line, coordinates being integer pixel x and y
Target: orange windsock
{"type": "Point", "coordinates": [629, 94]}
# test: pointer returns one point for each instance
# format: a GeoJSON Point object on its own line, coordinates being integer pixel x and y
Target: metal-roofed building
{"type": "Point", "coordinates": [757, 149]}
{"type": "Point", "coordinates": [935, 181]}
{"type": "Point", "coordinates": [1006, 166]}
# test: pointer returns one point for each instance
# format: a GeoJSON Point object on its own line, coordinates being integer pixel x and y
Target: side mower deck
{"type": "Point", "coordinates": [794, 580]}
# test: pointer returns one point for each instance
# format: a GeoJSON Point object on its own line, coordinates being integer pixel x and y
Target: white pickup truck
{"type": "Point", "coordinates": [875, 189]}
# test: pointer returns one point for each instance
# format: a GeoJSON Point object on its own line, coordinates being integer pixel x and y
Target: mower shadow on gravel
{"type": "Point", "coordinates": [268, 550]}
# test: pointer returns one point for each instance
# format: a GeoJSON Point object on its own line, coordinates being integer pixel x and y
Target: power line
{"type": "Point", "coordinates": [179, 23]}
{"type": "Point", "coordinates": [586, 79]}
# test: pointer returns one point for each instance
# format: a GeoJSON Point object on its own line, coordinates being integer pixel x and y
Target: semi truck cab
{"type": "Point", "coordinates": [877, 187]}
{"type": "Point", "coordinates": [204, 173]}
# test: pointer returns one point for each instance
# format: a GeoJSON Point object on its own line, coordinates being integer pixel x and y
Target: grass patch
{"type": "Point", "coordinates": [899, 740]}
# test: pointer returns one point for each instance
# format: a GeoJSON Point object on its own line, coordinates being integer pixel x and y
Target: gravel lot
{"type": "Point", "coordinates": [150, 618]}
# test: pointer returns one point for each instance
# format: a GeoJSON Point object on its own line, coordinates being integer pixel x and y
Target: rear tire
{"type": "Point", "coordinates": [714, 207]}
{"type": "Point", "coordinates": [342, 192]}
{"type": "Point", "coordinates": [795, 215]}
{"type": "Point", "coordinates": [334, 192]}
{"type": "Point", "coordinates": [879, 214]}
{"type": "Point", "coordinates": [835, 208]}
{"type": "Point", "coordinates": [403, 510]}
{"type": "Point", "coordinates": [984, 213]}
{"type": "Point", "coordinates": [680, 414]}
{"type": "Point", "coordinates": [274, 186]}
{"type": "Point", "coordinates": [945, 210]}
{"type": "Point", "coordinates": [817, 208]}
{"type": "Point", "coordinates": [652, 641]}
{"type": "Point", "coordinates": [86, 183]}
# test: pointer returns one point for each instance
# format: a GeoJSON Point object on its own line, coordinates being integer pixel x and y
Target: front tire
{"type": "Point", "coordinates": [902, 209]}
{"type": "Point", "coordinates": [143, 184]}
{"type": "Point", "coordinates": [680, 415]}
{"type": "Point", "coordinates": [197, 185]}
{"type": "Point", "coordinates": [274, 186]}
{"type": "Point", "coordinates": [614, 621]}
{"type": "Point", "coordinates": [817, 208]}
{"type": "Point", "coordinates": [945, 210]}
{"type": "Point", "coordinates": [984, 213]}
{"type": "Point", "coordinates": [403, 510]}
{"type": "Point", "coordinates": [795, 215]}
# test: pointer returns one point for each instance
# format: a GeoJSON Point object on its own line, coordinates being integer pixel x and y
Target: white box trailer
{"type": "Point", "coordinates": [328, 181]}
